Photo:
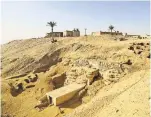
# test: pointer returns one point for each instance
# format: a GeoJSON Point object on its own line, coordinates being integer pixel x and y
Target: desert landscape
{"type": "Point", "coordinates": [119, 70]}
{"type": "Point", "coordinates": [75, 59]}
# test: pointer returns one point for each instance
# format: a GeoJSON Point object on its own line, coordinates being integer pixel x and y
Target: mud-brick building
{"type": "Point", "coordinates": [54, 34]}
{"type": "Point", "coordinates": [133, 36]}
{"type": "Point", "coordinates": [99, 33]}
{"type": "Point", "coordinates": [68, 33]}
{"type": "Point", "coordinates": [74, 33]}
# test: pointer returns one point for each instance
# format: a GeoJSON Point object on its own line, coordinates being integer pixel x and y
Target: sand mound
{"type": "Point", "coordinates": [33, 67]}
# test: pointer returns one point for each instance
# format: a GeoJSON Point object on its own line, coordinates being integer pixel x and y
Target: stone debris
{"type": "Point", "coordinates": [7, 115]}
{"type": "Point", "coordinates": [93, 62]}
{"type": "Point", "coordinates": [21, 85]}
{"type": "Point", "coordinates": [95, 87]}
{"type": "Point", "coordinates": [81, 75]}
{"type": "Point", "coordinates": [32, 77]}
{"type": "Point", "coordinates": [142, 49]}
{"type": "Point", "coordinates": [111, 75]}
{"type": "Point", "coordinates": [66, 62]}
{"type": "Point", "coordinates": [81, 63]}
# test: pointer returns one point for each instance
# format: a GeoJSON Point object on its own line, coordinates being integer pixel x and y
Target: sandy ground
{"type": "Point", "coordinates": [126, 96]}
{"type": "Point", "coordinates": [130, 97]}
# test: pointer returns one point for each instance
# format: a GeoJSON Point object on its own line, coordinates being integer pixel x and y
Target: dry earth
{"type": "Point", "coordinates": [32, 67]}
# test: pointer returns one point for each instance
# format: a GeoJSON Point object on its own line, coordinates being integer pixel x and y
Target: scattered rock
{"type": "Point", "coordinates": [95, 87]}
{"type": "Point", "coordinates": [129, 62]}
{"type": "Point", "coordinates": [42, 105]}
{"type": "Point", "coordinates": [66, 62]}
{"type": "Point", "coordinates": [140, 49]}
{"type": "Point", "coordinates": [30, 86]}
{"type": "Point", "coordinates": [33, 77]}
{"type": "Point", "coordinates": [131, 48]}
{"type": "Point", "coordinates": [111, 75]}
{"type": "Point", "coordinates": [43, 99]}
{"type": "Point", "coordinates": [86, 99]}
{"type": "Point", "coordinates": [7, 115]}
{"type": "Point", "coordinates": [117, 110]}
{"type": "Point", "coordinates": [26, 80]}
{"type": "Point", "coordinates": [81, 75]}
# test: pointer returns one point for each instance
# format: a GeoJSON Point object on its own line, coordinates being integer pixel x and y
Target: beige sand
{"type": "Point", "coordinates": [126, 95]}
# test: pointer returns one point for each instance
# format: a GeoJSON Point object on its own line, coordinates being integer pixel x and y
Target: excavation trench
{"type": "Point", "coordinates": [67, 92]}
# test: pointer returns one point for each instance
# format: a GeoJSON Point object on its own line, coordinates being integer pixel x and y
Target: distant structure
{"type": "Point", "coordinates": [138, 36]}
{"type": "Point", "coordinates": [54, 34]}
{"type": "Point", "coordinates": [145, 36]}
{"type": "Point", "coordinates": [133, 36]}
{"type": "Point", "coordinates": [67, 33]}
{"type": "Point", "coordinates": [74, 33]}
{"type": "Point", "coordinates": [106, 33]}
{"type": "Point", "coordinates": [148, 36]}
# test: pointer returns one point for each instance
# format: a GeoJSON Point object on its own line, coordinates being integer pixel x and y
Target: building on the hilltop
{"type": "Point", "coordinates": [74, 33]}
{"type": "Point", "coordinates": [106, 33]}
{"type": "Point", "coordinates": [68, 33]}
{"type": "Point", "coordinates": [148, 36]}
{"type": "Point", "coordinates": [54, 34]}
{"type": "Point", "coordinates": [138, 36]}
{"type": "Point", "coordinates": [145, 37]}
{"type": "Point", "coordinates": [96, 33]}
{"type": "Point", "coordinates": [133, 36]}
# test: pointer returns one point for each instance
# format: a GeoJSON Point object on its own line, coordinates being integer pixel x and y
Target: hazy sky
{"type": "Point", "coordinates": [28, 19]}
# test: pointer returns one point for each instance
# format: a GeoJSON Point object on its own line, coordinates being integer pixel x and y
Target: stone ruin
{"type": "Point", "coordinates": [141, 49]}
{"type": "Point", "coordinates": [19, 86]}
{"type": "Point", "coordinates": [81, 75]}
{"type": "Point", "coordinates": [76, 79]}
{"type": "Point", "coordinates": [91, 74]}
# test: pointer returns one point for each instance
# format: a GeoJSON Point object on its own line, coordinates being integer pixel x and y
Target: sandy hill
{"type": "Point", "coordinates": [32, 67]}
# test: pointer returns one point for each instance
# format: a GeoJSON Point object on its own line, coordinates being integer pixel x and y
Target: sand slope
{"type": "Point", "coordinates": [130, 97]}
{"type": "Point", "coordinates": [123, 93]}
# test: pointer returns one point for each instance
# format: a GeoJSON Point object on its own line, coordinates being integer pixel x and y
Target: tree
{"type": "Point", "coordinates": [111, 27]}
{"type": "Point", "coordinates": [52, 25]}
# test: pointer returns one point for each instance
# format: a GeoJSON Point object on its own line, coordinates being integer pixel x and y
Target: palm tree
{"type": "Point", "coordinates": [111, 27]}
{"type": "Point", "coordinates": [52, 25]}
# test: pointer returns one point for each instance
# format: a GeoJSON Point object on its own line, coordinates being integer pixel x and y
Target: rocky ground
{"type": "Point", "coordinates": [120, 69]}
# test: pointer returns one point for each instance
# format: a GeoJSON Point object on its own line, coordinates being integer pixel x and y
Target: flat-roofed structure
{"type": "Point", "coordinates": [99, 33]}
{"type": "Point", "coordinates": [133, 36]}
{"type": "Point", "coordinates": [76, 33]}
{"type": "Point", "coordinates": [68, 33]}
{"type": "Point", "coordinates": [54, 34]}
{"type": "Point", "coordinates": [73, 33]}
{"type": "Point", "coordinates": [63, 94]}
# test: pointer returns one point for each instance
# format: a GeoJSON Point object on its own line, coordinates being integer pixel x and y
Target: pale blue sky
{"type": "Point", "coordinates": [28, 19]}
